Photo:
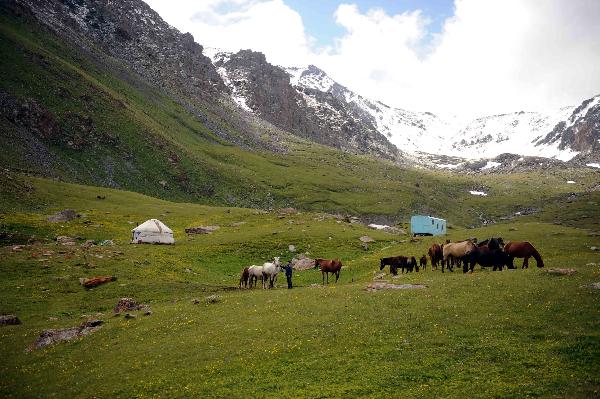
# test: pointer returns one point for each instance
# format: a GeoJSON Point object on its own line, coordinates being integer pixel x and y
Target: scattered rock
{"type": "Point", "coordinates": [64, 216]}
{"type": "Point", "coordinates": [595, 286]}
{"type": "Point", "coordinates": [303, 263]}
{"type": "Point", "coordinates": [163, 183]}
{"type": "Point", "coordinates": [212, 299]}
{"type": "Point", "coordinates": [96, 281]}
{"type": "Point", "coordinates": [107, 243]}
{"type": "Point", "coordinates": [202, 229]}
{"type": "Point", "coordinates": [237, 224]}
{"type": "Point", "coordinates": [130, 316]}
{"type": "Point", "coordinates": [512, 229]}
{"type": "Point", "coordinates": [388, 229]}
{"type": "Point", "coordinates": [366, 239]}
{"type": "Point", "coordinates": [48, 337]}
{"type": "Point", "coordinates": [315, 286]}
{"type": "Point", "coordinates": [388, 286]}
{"type": "Point", "coordinates": [148, 313]}
{"type": "Point", "coordinates": [292, 248]}
{"type": "Point", "coordinates": [195, 301]}
{"type": "Point", "coordinates": [9, 320]}
{"type": "Point", "coordinates": [592, 264]}
{"type": "Point", "coordinates": [65, 240]}
{"type": "Point", "coordinates": [18, 248]}
{"type": "Point", "coordinates": [126, 304]}
{"type": "Point", "coordinates": [88, 244]}
{"type": "Point", "coordinates": [594, 248]}
{"type": "Point", "coordinates": [283, 212]}
{"type": "Point", "coordinates": [379, 276]}
{"type": "Point", "coordinates": [561, 272]}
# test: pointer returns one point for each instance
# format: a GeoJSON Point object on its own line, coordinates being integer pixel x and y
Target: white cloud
{"type": "Point", "coordinates": [490, 57]}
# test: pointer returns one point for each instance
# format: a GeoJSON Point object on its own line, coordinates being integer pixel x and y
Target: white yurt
{"type": "Point", "coordinates": [152, 231]}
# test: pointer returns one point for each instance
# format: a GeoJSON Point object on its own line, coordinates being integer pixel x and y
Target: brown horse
{"type": "Point", "coordinates": [435, 255]}
{"type": "Point", "coordinates": [329, 266]}
{"type": "Point", "coordinates": [462, 250]}
{"type": "Point", "coordinates": [423, 262]}
{"type": "Point", "coordinates": [244, 278]}
{"type": "Point", "coordinates": [522, 250]}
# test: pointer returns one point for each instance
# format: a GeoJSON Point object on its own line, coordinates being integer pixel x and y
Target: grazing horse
{"type": "Point", "coordinates": [522, 250]}
{"type": "Point", "coordinates": [254, 273]}
{"type": "Point", "coordinates": [435, 255]}
{"type": "Point", "coordinates": [329, 266]}
{"type": "Point", "coordinates": [462, 250]}
{"type": "Point", "coordinates": [423, 262]}
{"type": "Point", "coordinates": [490, 253]}
{"type": "Point", "coordinates": [395, 262]}
{"type": "Point", "coordinates": [271, 270]}
{"type": "Point", "coordinates": [412, 264]}
{"type": "Point", "coordinates": [244, 278]}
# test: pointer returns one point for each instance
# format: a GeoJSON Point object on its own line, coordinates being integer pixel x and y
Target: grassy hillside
{"type": "Point", "coordinates": [104, 126]}
{"type": "Point", "coordinates": [520, 333]}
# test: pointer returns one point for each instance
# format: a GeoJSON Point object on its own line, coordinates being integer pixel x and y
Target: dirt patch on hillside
{"type": "Point", "coordinates": [389, 286]}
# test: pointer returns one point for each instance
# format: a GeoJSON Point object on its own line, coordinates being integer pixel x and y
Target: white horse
{"type": "Point", "coordinates": [254, 273]}
{"type": "Point", "coordinates": [271, 270]}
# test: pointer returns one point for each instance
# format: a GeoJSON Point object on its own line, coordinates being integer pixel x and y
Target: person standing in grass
{"type": "Point", "coordinates": [288, 274]}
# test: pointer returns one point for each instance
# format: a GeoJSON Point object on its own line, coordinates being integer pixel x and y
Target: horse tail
{"type": "Point", "coordinates": [538, 258]}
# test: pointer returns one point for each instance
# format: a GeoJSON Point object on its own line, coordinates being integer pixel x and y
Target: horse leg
{"type": "Point", "coordinates": [526, 262]}
{"type": "Point", "coordinates": [327, 274]}
{"type": "Point", "coordinates": [337, 276]}
{"type": "Point", "coordinates": [323, 275]}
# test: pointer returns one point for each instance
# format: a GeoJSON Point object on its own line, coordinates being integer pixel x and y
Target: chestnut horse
{"type": "Point", "coordinates": [244, 278]}
{"type": "Point", "coordinates": [462, 250]}
{"type": "Point", "coordinates": [435, 255]}
{"type": "Point", "coordinates": [329, 266]}
{"type": "Point", "coordinates": [522, 250]}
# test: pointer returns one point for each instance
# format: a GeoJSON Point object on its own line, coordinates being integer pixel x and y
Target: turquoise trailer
{"type": "Point", "coordinates": [427, 226]}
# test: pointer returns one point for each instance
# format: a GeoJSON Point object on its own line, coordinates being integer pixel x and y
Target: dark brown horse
{"type": "Point", "coordinates": [398, 262]}
{"type": "Point", "coordinates": [491, 254]}
{"type": "Point", "coordinates": [435, 255]}
{"type": "Point", "coordinates": [423, 262]}
{"type": "Point", "coordinates": [244, 278]}
{"type": "Point", "coordinates": [329, 266]}
{"type": "Point", "coordinates": [522, 250]}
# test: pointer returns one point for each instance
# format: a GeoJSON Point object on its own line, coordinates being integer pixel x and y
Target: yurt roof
{"type": "Point", "coordinates": [153, 226]}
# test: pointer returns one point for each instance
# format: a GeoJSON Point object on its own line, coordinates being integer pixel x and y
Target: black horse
{"type": "Point", "coordinates": [490, 253]}
{"type": "Point", "coordinates": [399, 262]}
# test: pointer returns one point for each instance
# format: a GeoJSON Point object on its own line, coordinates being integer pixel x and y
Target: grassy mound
{"type": "Point", "coordinates": [487, 334]}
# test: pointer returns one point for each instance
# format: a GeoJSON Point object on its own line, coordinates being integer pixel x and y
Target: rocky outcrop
{"type": "Point", "coordinates": [135, 34]}
{"type": "Point", "coordinates": [266, 90]}
{"type": "Point", "coordinates": [580, 132]}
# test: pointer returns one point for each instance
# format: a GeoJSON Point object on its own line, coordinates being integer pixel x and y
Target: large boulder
{"type": "Point", "coordinates": [48, 337]}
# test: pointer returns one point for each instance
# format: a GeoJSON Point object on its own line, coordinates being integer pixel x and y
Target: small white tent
{"type": "Point", "coordinates": [152, 231]}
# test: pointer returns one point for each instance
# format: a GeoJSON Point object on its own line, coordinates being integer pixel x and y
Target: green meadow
{"type": "Point", "coordinates": [517, 333]}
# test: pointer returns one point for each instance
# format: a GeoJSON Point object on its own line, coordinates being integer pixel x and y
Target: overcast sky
{"type": "Point", "coordinates": [468, 57]}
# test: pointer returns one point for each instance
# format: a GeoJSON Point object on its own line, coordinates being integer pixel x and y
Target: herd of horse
{"type": "Point", "coordinates": [489, 253]}
{"type": "Point", "coordinates": [492, 252]}
{"type": "Point", "coordinates": [269, 271]}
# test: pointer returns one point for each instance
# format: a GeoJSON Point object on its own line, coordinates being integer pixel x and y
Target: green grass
{"type": "Point", "coordinates": [520, 333]}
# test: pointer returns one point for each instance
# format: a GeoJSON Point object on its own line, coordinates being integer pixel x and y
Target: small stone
{"type": "Point", "coordinates": [148, 313]}
{"type": "Point", "coordinates": [512, 229]}
{"type": "Point", "coordinates": [292, 248]}
{"type": "Point", "coordinates": [195, 301]}
{"type": "Point", "coordinates": [594, 248]}
{"type": "Point", "coordinates": [130, 316]}
{"type": "Point", "coordinates": [9, 320]}
{"type": "Point", "coordinates": [212, 299]}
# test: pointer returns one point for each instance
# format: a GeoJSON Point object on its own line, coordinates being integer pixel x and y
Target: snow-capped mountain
{"type": "Point", "coordinates": [524, 133]}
